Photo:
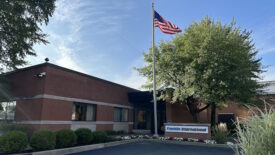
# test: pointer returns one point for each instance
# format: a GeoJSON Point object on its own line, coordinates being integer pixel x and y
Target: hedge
{"type": "Point", "coordinates": [100, 137]}
{"type": "Point", "coordinates": [65, 138]}
{"type": "Point", "coordinates": [84, 136]}
{"type": "Point", "coordinates": [43, 140]}
{"type": "Point", "coordinates": [13, 142]}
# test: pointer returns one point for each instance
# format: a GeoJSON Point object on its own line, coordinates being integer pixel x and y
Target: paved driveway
{"type": "Point", "coordinates": [155, 148]}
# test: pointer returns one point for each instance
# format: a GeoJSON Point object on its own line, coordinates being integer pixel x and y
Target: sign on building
{"type": "Point", "coordinates": [187, 129]}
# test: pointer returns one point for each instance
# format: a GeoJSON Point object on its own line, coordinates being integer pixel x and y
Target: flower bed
{"type": "Point", "coordinates": [161, 138]}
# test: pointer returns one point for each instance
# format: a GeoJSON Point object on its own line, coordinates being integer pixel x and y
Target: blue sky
{"type": "Point", "coordinates": [106, 38]}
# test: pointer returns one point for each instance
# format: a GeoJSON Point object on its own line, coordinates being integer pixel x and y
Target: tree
{"type": "Point", "coordinates": [210, 62]}
{"type": "Point", "coordinates": [19, 29]}
{"type": "Point", "coordinates": [224, 66]}
{"type": "Point", "coordinates": [170, 75]}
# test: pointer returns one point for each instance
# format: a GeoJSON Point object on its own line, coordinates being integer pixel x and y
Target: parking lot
{"type": "Point", "coordinates": [157, 148]}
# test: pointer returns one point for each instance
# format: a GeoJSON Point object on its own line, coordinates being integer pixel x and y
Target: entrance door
{"type": "Point", "coordinates": [142, 119]}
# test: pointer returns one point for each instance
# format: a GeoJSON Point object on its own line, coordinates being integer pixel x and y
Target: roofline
{"type": "Point", "coordinates": [69, 70]}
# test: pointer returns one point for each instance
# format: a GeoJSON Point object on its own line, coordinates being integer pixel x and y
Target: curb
{"type": "Point", "coordinates": [192, 143]}
{"type": "Point", "coordinates": [77, 149]}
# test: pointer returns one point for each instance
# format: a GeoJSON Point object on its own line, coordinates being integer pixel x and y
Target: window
{"type": "Point", "coordinates": [83, 112]}
{"type": "Point", "coordinates": [7, 110]}
{"type": "Point", "coordinates": [120, 115]}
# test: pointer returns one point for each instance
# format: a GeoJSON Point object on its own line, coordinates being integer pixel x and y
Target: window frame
{"type": "Point", "coordinates": [120, 114]}
{"type": "Point", "coordinates": [85, 105]}
{"type": "Point", "coordinates": [6, 112]}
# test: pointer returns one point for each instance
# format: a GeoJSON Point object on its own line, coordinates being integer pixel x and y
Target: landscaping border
{"type": "Point", "coordinates": [77, 149]}
{"type": "Point", "coordinates": [192, 143]}
{"type": "Point", "coordinates": [83, 148]}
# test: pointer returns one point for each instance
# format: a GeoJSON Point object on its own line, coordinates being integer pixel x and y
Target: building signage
{"type": "Point", "coordinates": [186, 129]}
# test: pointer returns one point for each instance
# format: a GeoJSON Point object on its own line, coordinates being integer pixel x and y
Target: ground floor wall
{"type": "Point", "coordinates": [55, 113]}
{"type": "Point", "coordinates": [178, 113]}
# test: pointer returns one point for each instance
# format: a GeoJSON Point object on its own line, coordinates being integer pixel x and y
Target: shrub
{"type": "Point", "coordinates": [5, 127]}
{"type": "Point", "coordinates": [256, 135]}
{"type": "Point", "coordinates": [65, 138]}
{"type": "Point", "coordinates": [43, 140]}
{"type": "Point", "coordinates": [84, 136]}
{"type": "Point", "coordinates": [100, 137]}
{"type": "Point", "coordinates": [13, 142]}
{"type": "Point", "coordinates": [220, 134]}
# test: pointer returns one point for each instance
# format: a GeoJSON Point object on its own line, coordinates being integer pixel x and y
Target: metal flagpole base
{"type": "Point", "coordinates": [155, 135]}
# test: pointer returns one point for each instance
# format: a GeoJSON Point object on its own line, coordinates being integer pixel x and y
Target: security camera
{"type": "Point", "coordinates": [40, 75]}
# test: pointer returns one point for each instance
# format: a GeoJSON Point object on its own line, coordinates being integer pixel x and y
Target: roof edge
{"type": "Point", "coordinates": [68, 70]}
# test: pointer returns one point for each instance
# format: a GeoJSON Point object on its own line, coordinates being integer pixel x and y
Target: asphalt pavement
{"type": "Point", "coordinates": [157, 148]}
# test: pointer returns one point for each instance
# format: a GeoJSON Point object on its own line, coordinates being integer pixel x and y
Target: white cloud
{"type": "Point", "coordinates": [71, 47]}
{"type": "Point", "coordinates": [134, 80]}
{"type": "Point", "coordinates": [270, 74]}
{"type": "Point", "coordinates": [67, 60]}
{"type": "Point", "coordinates": [268, 50]}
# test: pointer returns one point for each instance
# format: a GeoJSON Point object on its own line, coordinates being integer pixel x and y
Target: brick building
{"type": "Point", "coordinates": [47, 96]}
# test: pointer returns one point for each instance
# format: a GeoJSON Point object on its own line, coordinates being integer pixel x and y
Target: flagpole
{"type": "Point", "coordinates": [154, 74]}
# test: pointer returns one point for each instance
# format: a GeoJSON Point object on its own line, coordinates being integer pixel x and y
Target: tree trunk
{"type": "Point", "coordinates": [213, 115]}
{"type": "Point", "coordinates": [192, 108]}
{"type": "Point", "coordinates": [195, 117]}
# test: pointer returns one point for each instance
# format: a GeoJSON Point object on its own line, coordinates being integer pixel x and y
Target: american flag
{"type": "Point", "coordinates": [165, 26]}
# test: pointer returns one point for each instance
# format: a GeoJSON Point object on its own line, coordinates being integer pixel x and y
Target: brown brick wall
{"type": "Point", "coordinates": [178, 113]}
{"type": "Point", "coordinates": [104, 127]}
{"type": "Point", "coordinates": [56, 110]}
{"type": "Point", "coordinates": [238, 110]}
{"type": "Point", "coordinates": [25, 84]}
{"type": "Point", "coordinates": [28, 110]}
{"type": "Point", "coordinates": [189, 135]}
{"type": "Point", "coordinates": [104, 113]}
{"type": "Point", "coordinates": [65, 83]}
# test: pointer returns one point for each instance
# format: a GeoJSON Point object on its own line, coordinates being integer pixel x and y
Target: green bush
{"type": "Point", "coordinates": [5, 127]}
{"type": "Point", "coordinates": [84, 136]}
{"type": "Point", "coordinates": [65, 138]}
{"type": "Point", "coordinates": [13, 142]}
{"type": "Point", "coordinates": [100, 137]}
{"type": "Point", "coordinates": [256, 135]}
{"type": "Point", "coordinates": [43, 140]}
{"type": "Point", "coordinates": [220, 134]}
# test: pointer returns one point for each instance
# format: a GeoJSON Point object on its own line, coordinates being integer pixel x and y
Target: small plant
{"type": "Point", "coordinates": [256, 134]}
{"type": "Point", "coordinates": [100, 137]}
{"type": "Point", "coordinates": [65, 138]}
{"type": "Point", "coordinates": [84, 136]}
{"type": "Point", "coordinates": [13, 142]}
{"type": "Point", "coordinates": [221, 133]}
{"type": "Point", "coordinates": [43, 140]}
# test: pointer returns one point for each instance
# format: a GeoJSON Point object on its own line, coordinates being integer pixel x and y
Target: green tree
{"type": "Point", "coordinates": [19, 29]}
{"type": "Point", "coordinates": [210, 62]}
{"type": "Point", "coordinates": [170, 75]}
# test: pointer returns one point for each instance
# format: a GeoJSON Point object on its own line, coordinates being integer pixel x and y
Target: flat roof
{"type": "Point", "coordinates": [68, 70]}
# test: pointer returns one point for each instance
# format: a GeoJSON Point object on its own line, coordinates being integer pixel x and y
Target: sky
{"type": "Point", "coordinates": [106, 38]}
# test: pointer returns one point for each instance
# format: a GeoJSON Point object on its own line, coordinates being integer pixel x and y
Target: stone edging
{"type": "Point", "coordinates": [191, 143]}
{"type": "Point", "coordinates": [77, 149]}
